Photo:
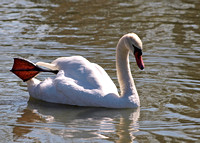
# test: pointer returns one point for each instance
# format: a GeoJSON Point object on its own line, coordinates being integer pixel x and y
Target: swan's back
{"type": "Point", "coordinates": [84, 73]}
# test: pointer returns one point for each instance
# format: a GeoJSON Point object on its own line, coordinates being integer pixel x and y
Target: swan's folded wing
{"type": "Point", "coordinates": [86, 74]}
{"type": "Point", "coordinates": [105, 81]}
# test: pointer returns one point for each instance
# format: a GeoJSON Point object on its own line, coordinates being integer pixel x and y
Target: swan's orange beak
{"type": "Point", "coordinates": [139, 60]}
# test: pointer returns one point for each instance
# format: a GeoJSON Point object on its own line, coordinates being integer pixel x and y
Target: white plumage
{"type": "Point", "coordinates": [82, 83]}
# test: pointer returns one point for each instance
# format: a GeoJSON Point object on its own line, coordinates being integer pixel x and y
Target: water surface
{"type": "Point", "coordinates": [169, 87]}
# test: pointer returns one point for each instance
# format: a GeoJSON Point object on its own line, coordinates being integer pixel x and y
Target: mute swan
{"type": "Point", "coordinates": [82, 83]}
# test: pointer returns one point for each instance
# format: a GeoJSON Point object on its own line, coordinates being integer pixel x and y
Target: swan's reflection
{"type": "Point", "coordinates": [76, 122]}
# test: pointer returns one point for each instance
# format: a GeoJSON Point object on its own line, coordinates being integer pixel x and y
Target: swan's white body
{"type": "Point", "coordinates": [82, 83]}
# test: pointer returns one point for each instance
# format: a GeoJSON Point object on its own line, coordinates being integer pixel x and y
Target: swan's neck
{"type": "Point", "coordinates": [125, 79]}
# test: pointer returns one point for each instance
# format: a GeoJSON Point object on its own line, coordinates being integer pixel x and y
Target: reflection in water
{"type": "Point", "coordinates": [76, 123]}
{"type": "Point", "coordinates": [28, 116]}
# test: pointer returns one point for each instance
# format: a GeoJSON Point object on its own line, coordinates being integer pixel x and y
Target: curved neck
{"type": "Point", "coordinates": [125, 79]}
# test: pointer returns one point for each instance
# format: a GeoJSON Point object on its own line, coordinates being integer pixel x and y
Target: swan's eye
{"type": "Point", "coordinates": [136, 49]}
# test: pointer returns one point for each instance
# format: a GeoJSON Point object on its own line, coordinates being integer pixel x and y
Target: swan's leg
{"type": "Point", "coordinates": [26, 70]}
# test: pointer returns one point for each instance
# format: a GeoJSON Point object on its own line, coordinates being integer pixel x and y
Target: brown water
{"type": "Point", "coordinates": [169, 88]}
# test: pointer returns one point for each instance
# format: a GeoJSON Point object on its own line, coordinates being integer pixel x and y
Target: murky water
{"type": "Point", "coordinates": [169, 88]}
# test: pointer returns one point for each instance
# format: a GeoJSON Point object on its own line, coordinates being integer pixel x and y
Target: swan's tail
{"type": "Point", "coordinates": [26, 70]}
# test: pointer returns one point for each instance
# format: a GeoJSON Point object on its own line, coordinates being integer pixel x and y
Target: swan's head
{"type": "Point", "coordinates": [134, 44]}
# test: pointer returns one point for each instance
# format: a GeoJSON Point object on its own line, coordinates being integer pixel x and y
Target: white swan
{"type": "Point", "coordinates": [82, 83]}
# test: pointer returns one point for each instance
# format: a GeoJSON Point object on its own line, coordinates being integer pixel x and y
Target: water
{"type": "Point", "coordinates": [169, 87]}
